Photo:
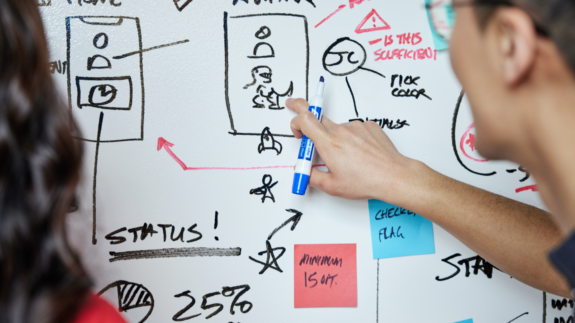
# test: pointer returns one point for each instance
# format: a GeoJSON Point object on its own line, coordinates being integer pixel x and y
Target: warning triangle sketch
{"type": "Point", "coordinates": [181, 4]}
{"type": "Point", "coordinates": [372, 22]}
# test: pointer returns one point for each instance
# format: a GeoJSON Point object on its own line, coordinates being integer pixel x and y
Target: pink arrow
{"type": "Point", "coordinates": [163, 143]}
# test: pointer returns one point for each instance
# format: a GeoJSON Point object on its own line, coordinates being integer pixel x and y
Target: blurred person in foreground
{"type": "Point", "coordinates": [41, 278]}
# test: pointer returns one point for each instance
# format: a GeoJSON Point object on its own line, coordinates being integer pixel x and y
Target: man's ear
{"type": "Point", "coordinates": [515, 43]}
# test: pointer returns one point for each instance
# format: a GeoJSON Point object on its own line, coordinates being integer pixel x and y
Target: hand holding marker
{"type": "Point", "coordinates": [307, 148]}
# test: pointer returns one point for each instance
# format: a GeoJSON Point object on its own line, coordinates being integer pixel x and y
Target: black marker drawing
{"type": "Point", "coordinates": [265, 98]}
{"type": "Point", "coordinates": [44, 3]}
{"type": "Point", "coordinates": [263, 73]}
{"type": "Point", "coordinates": [131, 296]}
{"type": "Point", "coordinates": [147, 230]}
{"type": "Point", "coordinates": [98, 62]}
{"type": "Point", "coordinates": [271, 258]}
{"type": "Point", "coordinates": [58, 67]}
{"type": "Point", "coordinates": [178, 316]}
{"type": "Point", "coordinates": [94, 180]}
{"type": "Point", "coordinates": [272, 100]}
{"type": "Point", "coordinates": [377, 295]}
{"type": "Point", "coordinates": [99, 84]}
{"type": "Point", "coordinates": [257, 2]}
{"type": "Point", "coordinates": [560, 310]}
{"type": "Point", "coordinates": [182, 4]}
{"type": "Point", "coordinates": [95, 2]}
{"type": "Point", "coordinates": [560, 304]}
{"type": "Point", "coordinates": [263, 50]}
{"type": "Point", "coordinates": [104, 92]}
{"type": "Point", "coordinates": [114, 44]}
{"type": "Point", "coordinates": [407, 93]}
{"type": "Point", "coordinates": [95, 80]}
{"type": "Point", "coordinates": [352, 97]}
{"type": "Point", "coordinates": [345, 57]}
{"type": "Point", "coordinates": [385, 123]}
{"type": "Point", "coordinates": [219, 307]}
{"type": "Point", "coordinates": [102, 39]}
{"type": "Point", "coordinates": [544, 307]}
{"type": "Point", "coordinates": [454, 139]}
{"type": "Point", "coordinates": [216, 225]}
{"type": "Point", "coordinates": [255, 90]}
{"type": "Point", "coordinates": [268, 142]}
{"type": "Point", "coordinates": [151, 48]}
{"type": "Point", "coordinates": [266, 189]}
{"type": "Point", "coordinates": [295, 219]}
{"type": "Point", "coordinates": [515, 319]}
{"type": "Point", "coordinates": [563, 320]}
{"type": "Point", "coordinates": [230, 291]}
{"type": "Point", "coordinates": [479, 264]}
{"type": "Point", "coordinates": [175, 253]}
{"type": "Point", "coordinates": [245, 306]}
{"type": "Point", "coordinates": [263, 33]}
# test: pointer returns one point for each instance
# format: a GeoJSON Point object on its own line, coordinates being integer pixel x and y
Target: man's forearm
{"type": "Point", "coordinates": [513, 236]}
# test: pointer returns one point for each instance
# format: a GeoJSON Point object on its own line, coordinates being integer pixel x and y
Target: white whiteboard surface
{"type": "Point", "coordinates": [192, 95]}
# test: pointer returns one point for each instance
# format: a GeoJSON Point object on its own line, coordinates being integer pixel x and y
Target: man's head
{"type": "Point", "coordinates": [512, 57]}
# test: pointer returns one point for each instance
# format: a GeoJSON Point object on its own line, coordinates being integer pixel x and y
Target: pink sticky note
{"type": "Point", "coordinates": [325, 275]}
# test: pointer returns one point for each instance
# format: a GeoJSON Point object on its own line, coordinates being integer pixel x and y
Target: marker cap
{"type": "Point", "coordinates": [300, 182]}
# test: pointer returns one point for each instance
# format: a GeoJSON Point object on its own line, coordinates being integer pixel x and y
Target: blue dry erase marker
{"type": "Point", "coordinates": [307, 149]}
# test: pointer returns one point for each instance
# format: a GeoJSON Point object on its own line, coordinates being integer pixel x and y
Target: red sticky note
{"type": "Point", "coordinates": [325, 275]}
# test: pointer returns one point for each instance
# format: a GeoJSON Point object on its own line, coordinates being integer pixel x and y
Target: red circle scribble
{"type": "Point", "coordinates": [462, 142]}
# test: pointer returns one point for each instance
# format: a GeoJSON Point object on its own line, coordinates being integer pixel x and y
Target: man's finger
{"type": "Point", "coordinates": [299, 106]}
{"type": "Point", "coordinates": [327, 123]}
{"type": "Point", "coordinates": [310, 126]}
{"type": "Point", "coordinates": [319, 179]}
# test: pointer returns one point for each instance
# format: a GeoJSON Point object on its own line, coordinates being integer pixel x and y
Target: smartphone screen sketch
{"type": "Point", "coordinates": [103, 79]}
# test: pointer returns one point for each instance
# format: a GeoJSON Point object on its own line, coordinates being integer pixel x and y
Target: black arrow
{"type": "Point", "coordinates": [294, 218]}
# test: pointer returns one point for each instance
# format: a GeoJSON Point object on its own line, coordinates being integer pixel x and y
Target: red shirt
{"type": "Point", "coordinates": [98, 310]}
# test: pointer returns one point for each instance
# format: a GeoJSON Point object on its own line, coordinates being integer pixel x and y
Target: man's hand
{"type": "Point", "coordinates": [363, 163]}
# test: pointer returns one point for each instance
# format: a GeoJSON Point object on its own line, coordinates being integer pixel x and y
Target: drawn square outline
{"type": "Point", "coordinates": [234, 131]}
{"type": "Point", "coordinates": [117, 78]}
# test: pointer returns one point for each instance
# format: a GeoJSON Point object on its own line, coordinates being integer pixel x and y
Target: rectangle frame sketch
{"type": "Point", "coordinates": [255, 96]}
{"type": "Point", "coordinates": [102, 79]}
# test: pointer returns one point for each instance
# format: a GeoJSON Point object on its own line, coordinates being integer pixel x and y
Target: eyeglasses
{"type": "Point", "coordinates": [442, 15]}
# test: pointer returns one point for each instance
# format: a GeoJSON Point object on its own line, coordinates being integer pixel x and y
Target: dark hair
{"type": "Point", "coordinates": [41, 279]}
{"type": "Point", "coordinates": [554, 16]}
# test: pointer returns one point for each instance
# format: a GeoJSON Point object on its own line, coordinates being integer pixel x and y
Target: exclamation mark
{"type": "Point", "coordinates": [216, 226]}
{"type": "Point", "coordinates": [373, 18]}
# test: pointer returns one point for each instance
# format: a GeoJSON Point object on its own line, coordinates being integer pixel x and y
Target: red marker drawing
{"type": "Point", "coordinates": [527, 188]}
{"type": "Point", "coordinates": [338, 10]}
{"type": "Point", "coordinates": [163, 143]}
{"type": "Point", "coordinates": [471, 143]}
{"type": "Point", "coordinates": [363, 28]}
{"type": "Point", "coordinates": [375, 41]}
{"type": "Point", "coordinates": [354, 2]}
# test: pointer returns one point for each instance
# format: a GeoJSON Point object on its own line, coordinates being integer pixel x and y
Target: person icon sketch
{"type": "Point", "coordinates": [267, 136]}
{"type": "Point", "coordinates": [266, 189]}
{"type": "Point", "coordinates": [345, 57]}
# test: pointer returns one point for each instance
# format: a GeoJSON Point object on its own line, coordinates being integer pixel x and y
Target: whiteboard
{"type": "Point", "coordinates": [180, 106]}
